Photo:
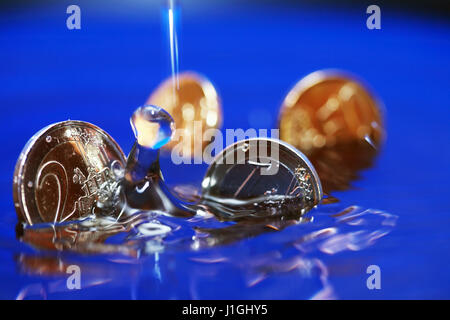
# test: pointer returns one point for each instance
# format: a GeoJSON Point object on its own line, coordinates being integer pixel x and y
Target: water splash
{"type": "Point", "coordinates": [202, 248]}
{"type": "Point", "coordinates": [153, 127]}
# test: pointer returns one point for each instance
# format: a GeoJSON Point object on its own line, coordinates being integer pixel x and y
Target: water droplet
{"type": "Point", "coordinates": [48, 139]}
{"type": "Point", "coordinates": [118, 170]}
{"type": "Point", "coordinates": [152, 126]}
{"type": "Point", "coordinates": [30, 184]}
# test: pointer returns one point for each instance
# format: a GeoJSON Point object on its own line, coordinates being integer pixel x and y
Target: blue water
{"type": "Point", "coordinates": [253, 55]}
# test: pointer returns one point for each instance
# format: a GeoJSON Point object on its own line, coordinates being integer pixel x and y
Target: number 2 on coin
{"type": "Point", "coordinates": [52, 170]}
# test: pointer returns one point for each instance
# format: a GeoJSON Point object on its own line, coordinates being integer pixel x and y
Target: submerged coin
{"type": "Point", "coordinates": [195, 106]}
{"type": "Point", "coordinates": [327, 108]}
{"type": "Point", "coordinates": [64, 171]}
{"type": "Point", "coordinates": [261, 177]}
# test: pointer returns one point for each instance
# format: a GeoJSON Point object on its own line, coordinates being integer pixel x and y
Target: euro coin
{"type": "Point", "coordinates": [65, 171]}
{"type": "Point", "coordinates": [261, 177]}
{"type": "Point", "coordinates": [327, 108]}
{"type": "Point", "coordinates": [195, 106]}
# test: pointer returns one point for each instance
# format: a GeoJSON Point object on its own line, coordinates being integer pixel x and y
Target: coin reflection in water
{"type": "Point", "coordinates": [195, 106]}
{"type": "Point", "coordinates": [339, 165]}
{"type": "Point", "coordinates": [337, 122]}
{"type": "Point", "coordinates": [91, 235]}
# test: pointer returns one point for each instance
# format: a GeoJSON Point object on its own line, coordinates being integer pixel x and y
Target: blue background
{"type": "Point", "coordinates": [253, 53]}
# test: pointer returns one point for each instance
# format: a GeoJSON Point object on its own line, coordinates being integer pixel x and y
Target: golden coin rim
{"type": "Point", "coordinates": [320, 76]}
{"type": "Point", "coordinates": [29, 148]}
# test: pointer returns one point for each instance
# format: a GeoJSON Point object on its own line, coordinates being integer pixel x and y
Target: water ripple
{"type": "Point", "coordinates": [263, 256]}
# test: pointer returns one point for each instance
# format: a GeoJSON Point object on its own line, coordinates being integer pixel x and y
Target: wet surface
{"type": "Point", "coordinates": [151, 245]}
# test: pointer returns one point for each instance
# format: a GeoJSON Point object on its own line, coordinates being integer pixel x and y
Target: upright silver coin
{"type": "Point", "coordinates": [64, 171]}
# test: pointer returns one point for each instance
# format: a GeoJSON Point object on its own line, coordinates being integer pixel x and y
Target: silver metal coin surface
{"type": "Point", "coordinates": [261, 176]}
{"type": "Point", "coordinates": [64, 171]}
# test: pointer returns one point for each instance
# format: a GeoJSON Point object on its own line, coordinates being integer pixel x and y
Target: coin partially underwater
{"type": "Point", "coordinates": [327, 108]}
{"type": "Point", "coordinates": [65, 171]}
{"type": "Point", "coordinates": [261, 177]}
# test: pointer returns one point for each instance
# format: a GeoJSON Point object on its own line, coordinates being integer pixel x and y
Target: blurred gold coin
{"type": "Point", "coordinates": [194, 104]}
{"type": "Point", "coordinates": [327, 108]}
